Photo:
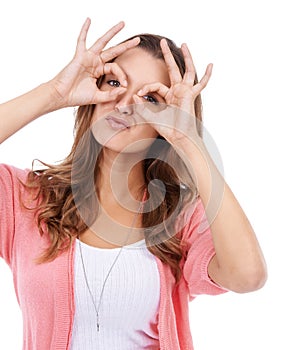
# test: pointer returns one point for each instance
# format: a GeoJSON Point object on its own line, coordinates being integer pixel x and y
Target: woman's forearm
{"type": "Point", "coordinates": [20, 111]}
{"type": "Point", "coordinates": [238, 264]}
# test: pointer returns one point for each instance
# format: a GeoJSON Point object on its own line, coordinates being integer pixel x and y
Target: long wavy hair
{"type": "Point", "coordinates": [66, 196]}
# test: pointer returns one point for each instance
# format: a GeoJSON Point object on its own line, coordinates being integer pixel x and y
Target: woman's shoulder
{"type": "Point", "coordinates": [193, 214]}
{"type": "Point", "coordinates": [12, 178]}
{"type": "Point", "coordinates": [11, 171]}
{"type": "Point", "coordinates": [12, 174]}
{"type": "Point", "coordinates": [14, 215]}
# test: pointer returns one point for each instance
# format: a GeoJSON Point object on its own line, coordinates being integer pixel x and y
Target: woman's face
{"type": "Point", "coordinates": [116, 124]}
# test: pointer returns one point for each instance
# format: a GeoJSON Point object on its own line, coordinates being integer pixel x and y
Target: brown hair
{"type": "Point", "coordinates": [67, 190]}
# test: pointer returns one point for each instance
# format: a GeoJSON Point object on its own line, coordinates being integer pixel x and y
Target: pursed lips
{"type": "Point", "coordinates": [117, 123]}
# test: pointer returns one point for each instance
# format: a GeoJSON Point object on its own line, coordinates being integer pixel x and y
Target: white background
{"type": "Point", "coordinates": [249, 109]}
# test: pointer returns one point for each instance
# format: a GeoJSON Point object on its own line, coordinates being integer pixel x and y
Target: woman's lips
{"type": "Point", "coordinates": [117, 123]}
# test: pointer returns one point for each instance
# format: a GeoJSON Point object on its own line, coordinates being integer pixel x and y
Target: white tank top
{"type": "Point", "coordinates": [128, 313]}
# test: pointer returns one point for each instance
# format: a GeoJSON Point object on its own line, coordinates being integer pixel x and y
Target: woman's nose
{"type": "Point", "coordinates": [125, 103]}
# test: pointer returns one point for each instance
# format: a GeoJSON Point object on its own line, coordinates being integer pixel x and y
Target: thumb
{"type": "Point", "coordinates": [147, 110]}
{"type": "Point", "coordinates": [106, 96]}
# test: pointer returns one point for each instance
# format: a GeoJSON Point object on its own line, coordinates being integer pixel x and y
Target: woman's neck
{"type": "Point", "coordinates": [121, 179]}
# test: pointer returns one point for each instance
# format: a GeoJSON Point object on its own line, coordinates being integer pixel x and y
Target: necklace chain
{"type": "Point", "coordinates": [108, 273]}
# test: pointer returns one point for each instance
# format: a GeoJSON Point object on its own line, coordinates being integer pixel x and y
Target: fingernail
{"type": "Point", "coordinates": [137, 39]}
{"type": "Point", "coordinates": [133, 42]}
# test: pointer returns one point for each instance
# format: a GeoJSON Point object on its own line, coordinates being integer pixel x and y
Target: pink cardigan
{"type": "Point", "coordinates": [45, 291]}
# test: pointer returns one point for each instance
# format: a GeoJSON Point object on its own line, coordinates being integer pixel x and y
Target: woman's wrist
{"type": "Point", "coordinates": [52, 97]}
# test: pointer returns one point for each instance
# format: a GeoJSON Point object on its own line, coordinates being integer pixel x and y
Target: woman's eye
{"type": "Point", "coordinates": [150, 99]}
{"type": "Point", "coordinates": [114, 83]}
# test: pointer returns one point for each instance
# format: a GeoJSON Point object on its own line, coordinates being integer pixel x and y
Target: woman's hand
{"type": "Point", "coordinates": [76, 85]}
{"type": "Point", "coordinates": [177, 120]}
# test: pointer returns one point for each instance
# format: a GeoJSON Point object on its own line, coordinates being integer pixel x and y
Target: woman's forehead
{"type": "Point", "coordinates": [140, 64]}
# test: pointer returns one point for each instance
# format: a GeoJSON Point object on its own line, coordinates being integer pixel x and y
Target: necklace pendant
{"type": "Point", "coordinates": [98, 326]}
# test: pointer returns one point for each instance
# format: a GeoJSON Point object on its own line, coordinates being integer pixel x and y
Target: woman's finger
{"type": "Point", "coordinates": [147, 110]}
{"type": "Point", "coordinates": [190, 72]}
{"type": "Point", "coordinates": [117, 72]}
{"type": "Point", "coordinates": [143, 111]}
{"type": "Point", "coordinates": [204, 81]}
{"type": "Point", "coordinates": [115, 51]}
{"type": "Point", "coordinates": [157, 88]}
{"type": "Point", "coordinates": [105, 96]}
{"type": "Point", "coordinates": [173, 70]}
{"type": "Point", "coordinates": [102, 41]}
{"type": "Point", "coordinates": [81, 40]}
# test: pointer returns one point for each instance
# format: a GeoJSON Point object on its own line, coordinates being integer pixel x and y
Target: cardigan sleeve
{"type": "Point", "coordinates": [200, 250]}
{"type": "Point", "coordinates": [9, 202]}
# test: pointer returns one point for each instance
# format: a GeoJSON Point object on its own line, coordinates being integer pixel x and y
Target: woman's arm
{"type": "Point", "coordinates": [238, 264]}
{"type": "Point", "coordinates": [75, 85]}
{"type": "Point", "coordinates": [20, 111]}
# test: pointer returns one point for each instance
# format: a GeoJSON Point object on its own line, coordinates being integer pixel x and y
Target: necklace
{"type": "Point", "coordinates": [97, 307]}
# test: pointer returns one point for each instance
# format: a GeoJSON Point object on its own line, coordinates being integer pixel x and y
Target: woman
{"type": "Point", "coordinates": [108, 247]}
